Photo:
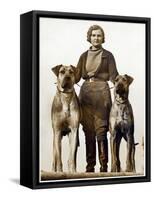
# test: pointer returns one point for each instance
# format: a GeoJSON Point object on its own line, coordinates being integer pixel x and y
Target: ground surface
{"type": "Point", "coordinates": [64, 175]}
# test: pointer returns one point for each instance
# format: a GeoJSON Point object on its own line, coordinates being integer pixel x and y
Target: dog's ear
{"type": "Point", "coordinates": [129, 78]}
{"type": "Point", "coordinates": [56, 69]}
{"type": "Point", "coordinates": [74, 68]}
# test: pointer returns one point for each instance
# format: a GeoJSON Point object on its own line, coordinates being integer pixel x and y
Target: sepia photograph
{"type": "Point", "coordinates": [91, 99]}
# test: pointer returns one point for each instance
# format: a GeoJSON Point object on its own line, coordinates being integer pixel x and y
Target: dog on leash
{"type": "Point", "coordinates": [65, 115]}
{"type": "Point", "coordinates": [122, 124]}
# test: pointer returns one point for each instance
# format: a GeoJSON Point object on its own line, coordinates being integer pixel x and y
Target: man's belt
{"type": "Point", "coordinates": [94, 79]}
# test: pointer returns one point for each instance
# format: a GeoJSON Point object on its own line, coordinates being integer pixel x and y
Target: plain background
{"type": "Point", "coordinates": [9, 100]}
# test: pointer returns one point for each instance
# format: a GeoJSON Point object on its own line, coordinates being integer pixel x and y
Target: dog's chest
{"type": "Point", "coordinates": [69, 107]}
{"type": "Point", "coordinates": [66, 102]}
{"type": "Point", "coordinates": [120, 115]}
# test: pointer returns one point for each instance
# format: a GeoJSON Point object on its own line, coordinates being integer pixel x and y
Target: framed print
{"type": "Point", "coordinates": [85, 99]}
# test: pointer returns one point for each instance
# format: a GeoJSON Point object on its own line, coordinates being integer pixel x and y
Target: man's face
{"type": "Point", "coordinates": [96, 38]}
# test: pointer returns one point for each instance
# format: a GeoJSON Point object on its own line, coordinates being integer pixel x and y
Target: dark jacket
{"type": "Point", "coordinates": [106, 71]}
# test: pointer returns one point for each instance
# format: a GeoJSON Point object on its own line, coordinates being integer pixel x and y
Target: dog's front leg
{"type": "Point", "coordinates": [54, 161]}
{"type": "Point", "coordinates": [57, 151]}
{"type": "Point", "coordinates": [115, 140]}
{"type": "Point", "coordinates": [133, 159]}
{"type": "Point", "coordinates": [112, 154]}
{"type": "Point", "coordinates": [72, 150]}
{"type": "Point", "coordinates": [130, 163]}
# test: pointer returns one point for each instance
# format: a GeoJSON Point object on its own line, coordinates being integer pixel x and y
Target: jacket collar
{"type": "Point", "coordinates": [104, 54]}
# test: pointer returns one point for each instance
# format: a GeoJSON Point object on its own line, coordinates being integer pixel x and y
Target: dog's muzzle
{"type": "Point", "coordinates": [67, 83]}
{"type": "Point", "coordinates": [120, 89]}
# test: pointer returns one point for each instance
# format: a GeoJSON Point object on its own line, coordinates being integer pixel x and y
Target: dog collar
{"type": "Point", "coordinates": [119, 102]}
{"type": "Point", "coordinates": [63, 91]}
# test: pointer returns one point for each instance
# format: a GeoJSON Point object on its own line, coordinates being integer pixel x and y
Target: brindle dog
{"type": "Point", "coordinates": [122, 124]}
{"type": "Point", "coordinates": [65, 116]}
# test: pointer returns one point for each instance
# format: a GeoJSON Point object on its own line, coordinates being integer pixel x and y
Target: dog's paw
{"type": "Point", "coordinates": [115, 168]}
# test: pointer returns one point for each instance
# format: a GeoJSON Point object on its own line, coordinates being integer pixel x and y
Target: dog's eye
{"type": "Point", "coordinates": [71, 72]}
{"type": "Point", "coordinates": [62, 72]}
{"type": "Point", "coordinates": [124, 79]}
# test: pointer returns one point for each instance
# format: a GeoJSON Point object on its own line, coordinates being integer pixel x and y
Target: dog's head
{"type": "Point", "coordinates": [65, 77]}
{"type": "Point", "coordinates": [121, 90]}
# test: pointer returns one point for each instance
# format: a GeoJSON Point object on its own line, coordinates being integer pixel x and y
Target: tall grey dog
{"type": "Point", "coordinates": [122, 124]}
{"type": "Point", "coordinates": [65, 116]}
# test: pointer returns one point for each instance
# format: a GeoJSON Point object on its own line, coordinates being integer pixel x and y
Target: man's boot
{"type": "Point", "coordinates": [90, 154]}
{"type": "Point", "coordinates": [103, 152]}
